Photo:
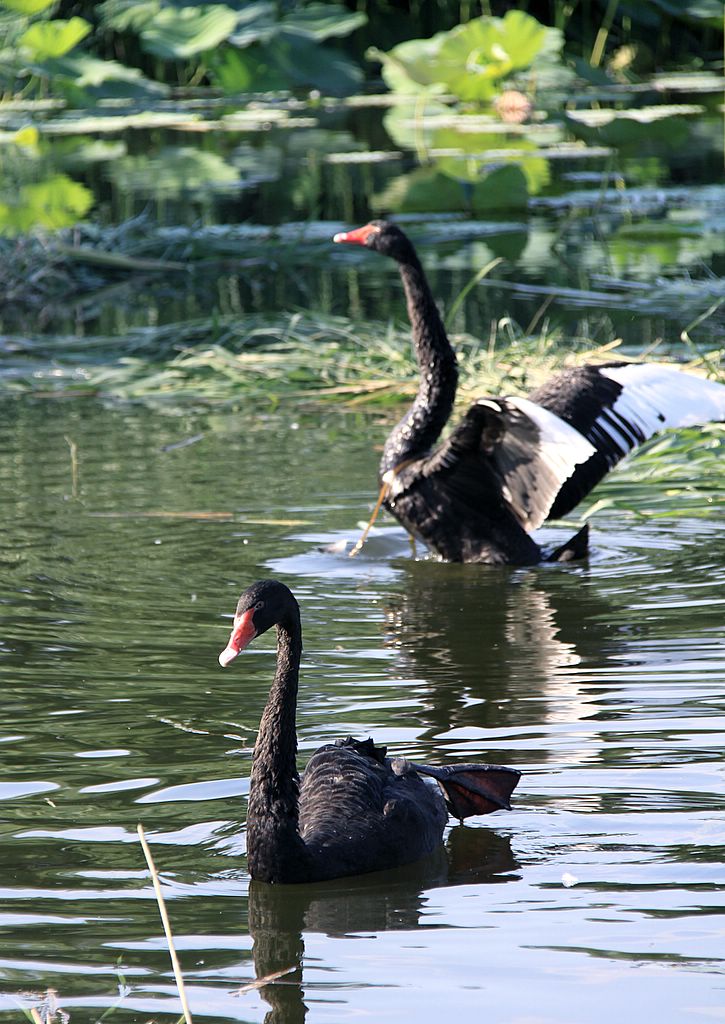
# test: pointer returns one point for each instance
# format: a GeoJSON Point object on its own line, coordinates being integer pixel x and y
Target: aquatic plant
{"type": "Point", "coordinates": [472, 60]}
{"type": "Point", "coordinates": [248, 47]}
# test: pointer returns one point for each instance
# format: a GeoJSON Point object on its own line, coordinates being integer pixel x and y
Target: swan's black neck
{"type": "Point", "coordinates": [274, 848]}
{"type": "Point", "coordinates": [421, 426]}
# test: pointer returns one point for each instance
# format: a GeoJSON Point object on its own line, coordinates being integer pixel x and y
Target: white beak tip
{"type": "Point", "coordinates": [228, 655]}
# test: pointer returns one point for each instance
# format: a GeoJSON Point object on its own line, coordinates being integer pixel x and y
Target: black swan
{"type": "Point", "coordinates": [354, 810]}
{"type": "Point", "coordinates": [512, 463]}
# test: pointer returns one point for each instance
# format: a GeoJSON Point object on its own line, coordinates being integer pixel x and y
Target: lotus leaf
{"type": "Point", "coordinates": [177, 33]}
{"type": "Point", "coordinates": [470, 59]}
{"type": "Point", "coordinates": [81, 73]}
{"type": "Point", "coordinates": [57, 202]}
{"type": "Point", "coordinates": [429, 189]}
{"type": "Point", "coordinates": [305, 63]}
{"type": "Point", "coordinates": [127, 15]}
{"type": "Point", "coordinates": [175, 171]}
{"type": "Point", "coordinates": [321, 21]}
{"type": "Point", "coordinates": [256, 23]}
{"type": "Point", "coordinates": [611, 127]}
{"type": "Point", "coordinates": [28, 6]}
{"type": "Point", "coordinates": [47, 39]}
{"type": "Point", "coordinates": [410, 65]}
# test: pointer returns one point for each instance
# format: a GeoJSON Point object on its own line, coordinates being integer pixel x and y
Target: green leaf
{"type": "Point", "coordinates": [55, 203]}
{"type": "Point", "coordinates": [323, 68]}
{"type": "Point", "coordinates": [28, 6]}
{"type": "Point", "coordinates": [484, 154]}
{"type": "Point", "coordinates": [471, 59]}
{"type": "Point", "coordinates": [428, 190]}
{"type": "Point", "coordinates": [80, 74]}
{"type": "Point", "coordinates": [256, 23]}
{"type": "Point", "coordinates": [232, 71]}
{"type": "Point", "coordinates": [610, 127]}
{"type": "Point", "coordinates": [175, 171]}
{"type": "Point", "coordinates": [28, 136]}
{"type": "Point", "coordinates": [410, 65]}
{"type": "Point", "coordinates": [47, 39]}
{"type": "Point", "coordinates": [321, 21]}
{"type": "Point", "coordinates": [249, 70]}
{"type": "Point", "coordinates": [178, 33]}
{"type": "Point", "coordinates": [127, 15]}
{"type": "Point", "coordinates": [710, 11]}
{"type": "Point", "coordinates": [476, 55]}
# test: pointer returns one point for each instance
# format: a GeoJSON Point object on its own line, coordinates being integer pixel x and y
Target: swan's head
{"type": "Point", "coordinates": [382, 236]}
{"type": "Point", "coordinates": [261, 606]}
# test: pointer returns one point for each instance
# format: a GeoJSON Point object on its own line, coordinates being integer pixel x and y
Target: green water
{"type": "Point", "coordinates": [128, 531]}
{"type": "Point", "coordinates": [602, 681]}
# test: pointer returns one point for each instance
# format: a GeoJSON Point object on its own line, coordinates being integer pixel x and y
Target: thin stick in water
{"type": "Point", "coordinates": [364, 535]}
{"type": "Point", "coordinates": [73, 465]}
{"type": "Point", "coordinates": [165, 921]}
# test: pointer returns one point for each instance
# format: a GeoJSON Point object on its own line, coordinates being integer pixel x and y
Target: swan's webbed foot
{"type": "Point", "coordinates": [572, 549]}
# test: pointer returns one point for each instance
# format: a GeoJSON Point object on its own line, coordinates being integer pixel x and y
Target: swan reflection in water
{"type": "Point", "coordinates": [279, 916]}
{"type": "Point", "coordinates": [482, 644]}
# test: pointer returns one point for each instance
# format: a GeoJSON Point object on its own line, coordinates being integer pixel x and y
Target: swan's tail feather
{"type": "Point", "coordinates": [474, 788]}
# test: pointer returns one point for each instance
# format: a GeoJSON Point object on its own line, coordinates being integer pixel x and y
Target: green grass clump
{"type": "Point", "coordinates": [290, 358]}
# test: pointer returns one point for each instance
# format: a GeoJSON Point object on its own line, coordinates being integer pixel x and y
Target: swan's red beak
{"type": "Point", "coordinates": [242, 634]}
{"type": "Point", "coordinates": [359, 236]}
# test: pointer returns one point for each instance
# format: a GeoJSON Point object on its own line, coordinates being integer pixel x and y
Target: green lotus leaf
{"type": "Point", "coordinates": [482, 152]}
{"type": "Point", "coordinates": [127, 15]}
{"type": "Point", "coordinates": [233, 71]}
{"type": "Point", "coordinates": [411, 125]}
{"type": "Point", "coordinates": [256, 23]}
{"type": "Point", "coordinates": [410, 65]}
{"type": "Point", "coordinates": [47, 39]}
{"type": "Point", "coordinates": [321, 21]}
{"type": "Point", "coordinates": [175, 171]}
{"type": "Point", "coordinates": [177, 33]}
{"type": "Point", "coordinates": [428, 189]}
{"type": "Point", "coordinates": [473, 57]}
{"type": "Point", "coordinates": [470, 59]}
{"type": "Point", "coordinates": [609, 127]}
{"type": "Point", "coordinates": [27, 6]}
{"type": "Point", "coordinates": [305, 63]}
{"type": "Point", "coordinates": [79, 74]}
{"type": "Point", "coordinates": [55, 203]}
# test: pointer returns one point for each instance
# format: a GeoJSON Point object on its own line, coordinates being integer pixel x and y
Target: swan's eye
{"type": "Point", "coordinates": [259, 605]}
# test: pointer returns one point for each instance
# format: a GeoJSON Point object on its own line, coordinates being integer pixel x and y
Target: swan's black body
{"type": "Point", "coordinates": [512, 463]}
{"type": "Point", "coordinates": [355, 810]}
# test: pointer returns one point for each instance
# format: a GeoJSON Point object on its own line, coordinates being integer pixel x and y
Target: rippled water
{"type": "Point", "coordinates": [123, 552]}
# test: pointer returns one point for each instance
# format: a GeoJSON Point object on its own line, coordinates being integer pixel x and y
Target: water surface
{"type": "Point", "coordinates": [123, 552]}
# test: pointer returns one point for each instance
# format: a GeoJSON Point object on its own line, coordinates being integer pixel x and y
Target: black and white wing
{"type": "Point", "coordinates": [619, 406]}
{"type": "Point", "coordinates": [505, 452]}
{"type": "Point", "coordinates": [543, 454]}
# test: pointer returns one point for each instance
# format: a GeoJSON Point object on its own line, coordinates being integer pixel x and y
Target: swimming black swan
{"type": "Point", "coordinates": [511, 463]}
{"type": "Point", "coordinates": [355, 810]}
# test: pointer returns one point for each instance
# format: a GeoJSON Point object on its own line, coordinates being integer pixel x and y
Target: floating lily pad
{"type": "Point", "coordinates": [666, 123]}
{"type": "Point", "coordinates": [428, 189]}
{"type": "Point", "coordinates": [175, 171]}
